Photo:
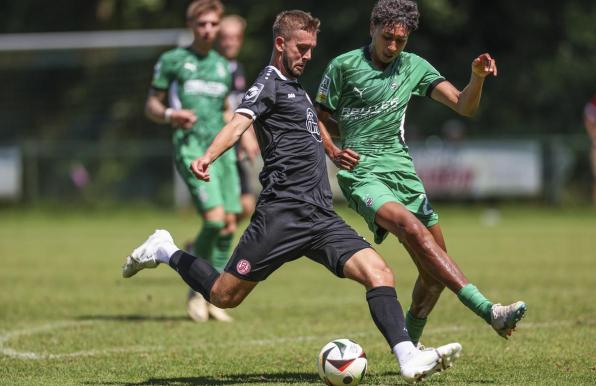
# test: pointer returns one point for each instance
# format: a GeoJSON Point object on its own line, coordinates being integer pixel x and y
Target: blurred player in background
{"type": "Point", "coordinates": [363, 97]}
{"type": "Point", "coordinates": [590, 124]}
{"type": "Point", "coordinates": [189, 91]}
{"type": "Point", "coordinates": [294, 216]}
{"type": "Point", "coordinates": [229, 43]}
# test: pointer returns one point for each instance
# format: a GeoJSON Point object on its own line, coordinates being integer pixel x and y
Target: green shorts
{"type": "Point", "coordinates": [367, 188]}
{"type": "Point", "coordinates": [224, 187]}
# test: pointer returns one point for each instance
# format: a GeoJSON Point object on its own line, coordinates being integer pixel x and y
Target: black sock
{"type": "Point", "coordinates": [387, 314]}
{"type": "Point", "coordinates": [195, 271]}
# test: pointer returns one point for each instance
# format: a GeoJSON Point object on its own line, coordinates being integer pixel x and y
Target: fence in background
{"type": "Point", "coordinates": [89, 172]}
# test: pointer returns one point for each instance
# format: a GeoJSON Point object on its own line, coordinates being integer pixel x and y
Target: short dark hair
{"type": "Point", "coordinates": [389, 13]}
{"type": "Point", "coordinates": [287, 22]}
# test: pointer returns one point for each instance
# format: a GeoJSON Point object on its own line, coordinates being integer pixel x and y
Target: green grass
{"type": "Point", "coordinates": [68, 318]}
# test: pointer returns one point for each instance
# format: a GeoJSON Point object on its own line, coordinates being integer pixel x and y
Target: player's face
{"type": "Point", "coordinates": [230, 40]}
{"type": "Point", "coordinates": [387, 42]}
{"type": "Point", "coordinates": [205, 26]}
{"type": "Point", "coordinates": [297, 51]}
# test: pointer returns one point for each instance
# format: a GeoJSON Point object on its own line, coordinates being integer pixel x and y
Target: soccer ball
{"type": "Point", "coordinates": [342, 362]}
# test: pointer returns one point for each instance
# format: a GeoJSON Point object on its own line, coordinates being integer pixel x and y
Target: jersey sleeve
{"type": "Point", "coordinates": [429, 79]}
{"type": "Point", "coordinates": [162, 73]}
{"type": "Point", "coordinates": [330, 87]}
{"type": "Point", "coordinates": [259, 99]}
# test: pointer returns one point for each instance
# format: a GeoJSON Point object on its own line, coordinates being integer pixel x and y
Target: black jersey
{"type": "Point", "coordinates": [288, 134]}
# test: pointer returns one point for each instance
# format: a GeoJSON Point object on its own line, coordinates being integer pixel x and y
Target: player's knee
{"type": "Point", "coordinates": [225, 300]}
{"type": "Point", "coordinates": [380, 277]}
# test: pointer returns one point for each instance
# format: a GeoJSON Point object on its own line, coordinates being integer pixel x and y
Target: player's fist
{"type": "Point", "coordinates": [200, 168]}
{"type": "Point", "coordinates": [484, 65]}
{"type": "Point", "coordinates": [183, 118]}
{"type": "Point", "coordinates": [346, 159]}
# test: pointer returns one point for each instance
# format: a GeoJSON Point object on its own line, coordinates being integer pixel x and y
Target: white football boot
{"type": "Point", "coordinates": [145, 256]}
{"type": "Point", "coordinates": [218, 314]}
{"type": "Point", "coordinates": [196, 307]}
{"type": "Point", "coordinates": [504, 318]}
{"type": "Point", "coordinates": [427, 362]}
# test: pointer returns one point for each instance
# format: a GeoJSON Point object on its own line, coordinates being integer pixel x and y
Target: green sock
{"type": "Point", "coordinates": [415, 327]}
{"type": "Point", "coordinates": [206, 240]}
{"type": "Point", "coordinates": [474, 300]}
{"type": "Point", "coordinates": [221, 251]}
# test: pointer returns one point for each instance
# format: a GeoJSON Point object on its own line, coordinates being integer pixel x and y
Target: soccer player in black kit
{"type": "Point", "coordinates": [294, 216]}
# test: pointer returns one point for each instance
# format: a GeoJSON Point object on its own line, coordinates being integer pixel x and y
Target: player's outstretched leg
{"type": "Point", "coordinates": [148, 254]}
{"type": "Point", "coordinates": [369, 269]}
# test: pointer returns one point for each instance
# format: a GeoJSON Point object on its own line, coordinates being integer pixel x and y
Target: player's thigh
{"type": "Point", "coordinates": [366, 194]}
{"type": "Point", "coordinates": [229, 182]}
{"type": "Point", "coordinates": [205, 195]}
{"type": "Point", "coordinates": [230, 290]}
{"type": "Point", "coordinates": [277, 234]}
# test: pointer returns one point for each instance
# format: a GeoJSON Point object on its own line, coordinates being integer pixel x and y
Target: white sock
{"type": "Point", "coordinates": [404, 351]}
{"type": "Point", "coordinates": [165, 251]}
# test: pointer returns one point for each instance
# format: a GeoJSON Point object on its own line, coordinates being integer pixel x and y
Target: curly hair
{"type": "Point", "coordinates": [389, 13]}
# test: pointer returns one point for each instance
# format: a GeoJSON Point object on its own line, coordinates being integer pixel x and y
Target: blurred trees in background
{"type": "Point", "coordinates": [64, 99]}
{"type": "Point", "coordinates": [545, 51]}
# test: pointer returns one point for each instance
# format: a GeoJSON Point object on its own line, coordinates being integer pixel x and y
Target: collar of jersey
{"type": "Point", "coordinates": [279, 73]}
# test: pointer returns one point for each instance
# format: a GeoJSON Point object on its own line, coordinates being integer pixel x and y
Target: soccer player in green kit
{"type": "Point", "coordinates": [363, 97]}
{"type": "Point", "coordinates": [188, 91]}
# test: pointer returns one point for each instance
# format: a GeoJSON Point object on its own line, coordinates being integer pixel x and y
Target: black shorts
{"type": "Point", "coordinates": [286, 229]}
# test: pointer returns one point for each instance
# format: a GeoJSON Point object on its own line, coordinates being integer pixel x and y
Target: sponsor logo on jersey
{"type": "Point", "coordinates": [221, 70]}
{"type": "Point", "coordinates": [190, 66]}
{"type": "Point", "coordinates": [359, 92]}
{"type": "Point", "coordinates": [324, 89]}
{"type": "Point", "coordinates": [351, 113]}
{"type": "Point", "coordinates": [243, 267]}
{"type": "Point", "coordinates": [291, 95]}
{"type": "Point", "coordinates": [253, 93]}
{"type": "Point", "coordinates": [205, 87]}
{"type": "Point", "coordinates": [312, 125]}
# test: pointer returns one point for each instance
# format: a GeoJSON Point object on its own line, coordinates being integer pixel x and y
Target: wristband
{"type": "Point", "coordinates": [167, 115]}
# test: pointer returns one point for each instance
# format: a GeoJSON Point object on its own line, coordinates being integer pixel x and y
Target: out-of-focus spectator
{"type": "Point", "coordinates": [590, 124]}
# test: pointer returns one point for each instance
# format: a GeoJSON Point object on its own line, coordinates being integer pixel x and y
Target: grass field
{"type": "Point", "coordinates": [68, 318]}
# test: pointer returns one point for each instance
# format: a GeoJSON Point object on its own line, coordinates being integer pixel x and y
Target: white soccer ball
{"type": "Point", "coordinates": [342, 362]}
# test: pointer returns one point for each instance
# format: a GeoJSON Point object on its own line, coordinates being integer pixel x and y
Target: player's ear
{"type": "Point", "coordinates": [280, 43]}
{"type": "Point", "coordinates": [371, 29]}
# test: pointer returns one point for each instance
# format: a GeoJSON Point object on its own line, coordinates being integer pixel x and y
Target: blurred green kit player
{"type": "Point", "coordinates": [195, 81]}
{"type": "Point", "coordinates": [363, 97]}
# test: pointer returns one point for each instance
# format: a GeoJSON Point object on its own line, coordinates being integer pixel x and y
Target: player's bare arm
{"type": "Point", "coordinates": [342, 158]}
{"type": "Point", "coordinates": [249, 146]}
{"type": "Point", "coordinates": [225, 139]}
{"type": "Point", "coordinates": [157, 111]}
{"type": "Point", "coordinates": [466, 102]}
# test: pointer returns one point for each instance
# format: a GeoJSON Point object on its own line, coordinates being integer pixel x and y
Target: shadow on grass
{"type": "Point", "coordinates": [260, 379]}
{"type": "Point", "coordinates": [135, 318]}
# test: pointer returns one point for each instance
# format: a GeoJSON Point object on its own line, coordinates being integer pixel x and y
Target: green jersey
{"type": "Point", "coordinates": [197, 83]}
{"type": "Point", "coordinates": [370, 104]}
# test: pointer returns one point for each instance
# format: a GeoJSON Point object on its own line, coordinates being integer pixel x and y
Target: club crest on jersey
{"type": "Point", "coordinates": [253, 93]}
{"type": "Point", "coordinates": [312, 125]}
{"type": "Point", "coordinates": [324, 89]}
{"type": "Point", "coordinates": [368, 201]}
{"type": "Point", "coordinates": [243, 267]}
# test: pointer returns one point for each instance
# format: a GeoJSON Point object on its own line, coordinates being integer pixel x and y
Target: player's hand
{"type": "Point", "coordinates": [200, 168]}
{"type": "Point", "coordinates": [484, 65]}
{"type": "Point", "coordinates": [346, 159]}
{"type": "Point", "coordinates": [183, 118]}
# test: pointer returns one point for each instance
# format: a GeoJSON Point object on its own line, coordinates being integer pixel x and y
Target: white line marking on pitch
{"type": "Point", "coordinates": [10, 352]}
